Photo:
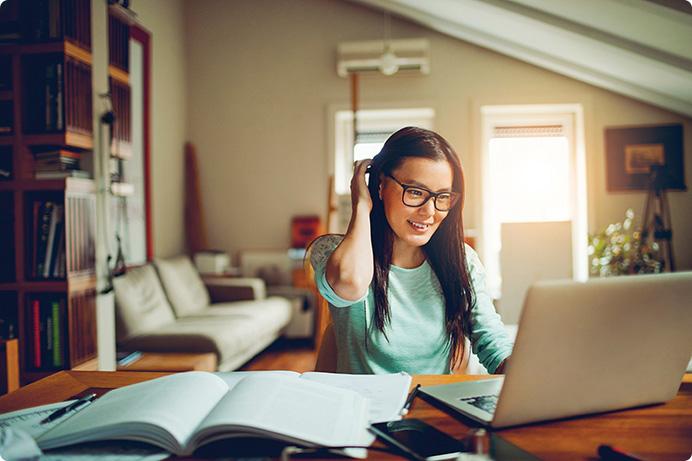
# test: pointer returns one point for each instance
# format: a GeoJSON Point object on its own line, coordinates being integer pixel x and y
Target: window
{"type": "Point", "coordinates": [374, 127]}
{"type": "Point", "coordinates": [531, 178]}
{"type": "Point", "coordinates": [533, 171]}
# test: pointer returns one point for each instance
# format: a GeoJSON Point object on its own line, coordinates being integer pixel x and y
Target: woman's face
{"type": "Point", "coordinates": [415, 226]}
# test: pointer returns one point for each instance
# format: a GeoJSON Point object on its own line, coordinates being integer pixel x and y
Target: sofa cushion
{"type": "Point", "coordinates": [141, 304]}
{"type": "Point", "coordinates": [183, 285]}
{"type": "Point", "coordinates": [230, 331]}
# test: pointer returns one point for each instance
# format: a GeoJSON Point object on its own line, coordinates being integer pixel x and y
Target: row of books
{"type": "Point", "coordinates": [120, 97]}
{"type": "Point", "coordinates": [46, 20]}
{"type": "Point", "coordinates": [46, 339]}
{"type": "Point", "coordinates": [78, 104]}
{"type": "Point", "coordinates": [118, 42]}
{"type": "Point", "coordinates": [48, 240]}
{"type": "Point", "coordinates": [58, 93]}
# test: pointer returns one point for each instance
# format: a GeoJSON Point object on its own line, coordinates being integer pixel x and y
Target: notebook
{"type": "Point", "coordinates": [184, 411]}
{"type": "Point", "coordinates": [586, 348]}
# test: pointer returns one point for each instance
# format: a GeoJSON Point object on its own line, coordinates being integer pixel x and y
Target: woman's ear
{"type": "Point", "coordinates": [379, 187]}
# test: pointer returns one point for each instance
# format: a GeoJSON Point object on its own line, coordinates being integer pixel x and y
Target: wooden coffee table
{"type": "Point", "coordinates": [172, 361]}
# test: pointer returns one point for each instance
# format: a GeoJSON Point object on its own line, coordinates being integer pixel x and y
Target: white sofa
{"type": "Point", "coordinates": [167, 307]}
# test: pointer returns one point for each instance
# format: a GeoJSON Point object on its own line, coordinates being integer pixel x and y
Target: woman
{"type": "Point", "coordinates": [404, 290]}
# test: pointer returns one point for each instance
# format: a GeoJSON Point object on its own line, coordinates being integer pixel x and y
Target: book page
{"type": "Point", "coordinates": [163, 411]}
{"type": "Point", "coordinates": [29, 419]}
{"type": "Point", "coordinates": [386, 394]}
{"type": "Point", "coordinates": [289, 408]}
{"type": "Point", "coordinates": [231, 378]}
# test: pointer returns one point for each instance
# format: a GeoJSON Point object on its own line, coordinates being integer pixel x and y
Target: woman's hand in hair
{"type": "Point", "coordinates": [360, 195]}
{"type": "Point", "coordinates": [350, 267]}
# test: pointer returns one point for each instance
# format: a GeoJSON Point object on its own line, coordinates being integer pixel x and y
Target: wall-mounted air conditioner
{"type": "Point", "coordinates": [387, 57]}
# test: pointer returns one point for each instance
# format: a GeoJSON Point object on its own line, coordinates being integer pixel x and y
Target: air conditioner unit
{"type": "Point", "coordinates": [387, 57]}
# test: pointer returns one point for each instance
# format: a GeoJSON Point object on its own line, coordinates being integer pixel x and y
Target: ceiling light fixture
{"type": "Point", "coordinates": [389, 64]}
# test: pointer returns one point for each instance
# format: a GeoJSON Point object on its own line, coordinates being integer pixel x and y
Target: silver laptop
{"type": "Point", "coordinates": [583, 348]}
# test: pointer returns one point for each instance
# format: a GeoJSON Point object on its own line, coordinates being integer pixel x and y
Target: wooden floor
{"type": "Point", "coordinates": [294, 355]}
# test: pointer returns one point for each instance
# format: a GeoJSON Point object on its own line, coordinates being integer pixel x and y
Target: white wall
{"type": "Point", "coordinates": [261, 74]}
{"type": "Point", "coordinates": [165, 20]}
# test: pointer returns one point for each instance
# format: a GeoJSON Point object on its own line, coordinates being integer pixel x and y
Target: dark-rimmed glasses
{"type": "Point", "coordinates": [415, 196]}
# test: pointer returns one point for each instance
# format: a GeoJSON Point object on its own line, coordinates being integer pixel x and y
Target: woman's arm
{"type": "Point", "coordinates": [491, 342]}
{"type": "Point", "coordinates": [350, 267]}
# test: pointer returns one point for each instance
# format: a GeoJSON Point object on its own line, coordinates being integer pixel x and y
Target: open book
{"type": "Point", "coordinates": [184, 411]}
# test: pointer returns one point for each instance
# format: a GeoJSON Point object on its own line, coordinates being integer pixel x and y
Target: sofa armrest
{"type": "Point", "coordinates": [235, 289]}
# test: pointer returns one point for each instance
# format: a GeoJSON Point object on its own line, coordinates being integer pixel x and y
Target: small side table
{"type": "Point", "coordinates": [172, 361]}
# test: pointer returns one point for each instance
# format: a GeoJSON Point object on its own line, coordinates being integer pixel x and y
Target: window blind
{"type": "Point", "coordinates": [533, 131]}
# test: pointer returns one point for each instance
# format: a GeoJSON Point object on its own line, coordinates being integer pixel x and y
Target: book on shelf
{"type": "Point", "coordinates": [56, 165]}
{"type": "Point", "coordinates": [43, 210]}
{"type": "Point", "coordinates": [54, 238]}
{"type": "Point", "coordinates": [47, 348]}
{"type": "Point", "coordinates": [184, 411]}
{"type": "Point", "coordinates": [57, 154]}
{"type": "Point", "coordinates": [62, 174]}
{"type": "Point", "coordinates": [48, 246]}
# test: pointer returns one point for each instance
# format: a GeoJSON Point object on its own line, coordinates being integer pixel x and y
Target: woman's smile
{"type": "Point", "coordinates": [418, 226]}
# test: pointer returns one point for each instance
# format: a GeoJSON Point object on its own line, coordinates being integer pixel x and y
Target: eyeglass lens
{"type": "Point", "coordinates": [417, 197]}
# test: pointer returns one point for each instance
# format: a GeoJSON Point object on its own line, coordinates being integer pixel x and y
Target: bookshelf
{"type": "Point", "coordinates": [47, 225]}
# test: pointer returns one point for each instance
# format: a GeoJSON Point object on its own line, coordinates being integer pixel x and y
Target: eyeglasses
{"type": "Point", "coordinates": [415, 196]}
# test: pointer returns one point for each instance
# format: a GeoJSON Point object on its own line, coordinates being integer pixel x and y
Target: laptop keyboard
{"type": "Point", "coordinates": [484, 402]}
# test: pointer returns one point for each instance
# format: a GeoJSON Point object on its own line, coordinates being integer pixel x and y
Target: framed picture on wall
{"type": "Point", "coordinates": [632, 152]}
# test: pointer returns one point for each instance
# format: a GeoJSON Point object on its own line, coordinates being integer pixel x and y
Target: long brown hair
{"type": "Point", "coordinates": [445, 249]}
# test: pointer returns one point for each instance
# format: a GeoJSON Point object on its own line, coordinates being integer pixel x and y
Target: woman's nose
{"type": "Point", "coordinates": [428, 208]}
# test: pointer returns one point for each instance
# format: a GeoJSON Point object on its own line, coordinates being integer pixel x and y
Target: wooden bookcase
{"type": "Point", "coordinates": [47, 226]}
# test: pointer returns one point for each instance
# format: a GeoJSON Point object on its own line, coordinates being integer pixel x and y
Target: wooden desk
{"type": "Point", "coordinates": [660, 432]}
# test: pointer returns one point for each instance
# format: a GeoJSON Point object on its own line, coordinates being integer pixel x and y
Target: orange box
{"type": "Point", "coordinates": [304, 229]}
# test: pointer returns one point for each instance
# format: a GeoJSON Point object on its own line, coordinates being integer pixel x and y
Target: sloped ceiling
{"type": "Point", "coordinates": [633, 47]}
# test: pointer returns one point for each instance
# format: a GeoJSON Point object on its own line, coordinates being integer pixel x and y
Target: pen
{"type": "Point", "coordinates": [409, 400]}
{"type": "Point", "coordinates": [73, 406]}
{"type": "Point", "coordinates": [608, 453]}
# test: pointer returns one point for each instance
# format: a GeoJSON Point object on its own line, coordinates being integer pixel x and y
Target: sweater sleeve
{"type": "Point", "coordinates": [320, 252]}
{"type": "Point", "coordinates": [489, 339]}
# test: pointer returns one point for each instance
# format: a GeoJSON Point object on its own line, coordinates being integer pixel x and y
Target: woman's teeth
{"type": "Point", "coordinates": [418, 226]}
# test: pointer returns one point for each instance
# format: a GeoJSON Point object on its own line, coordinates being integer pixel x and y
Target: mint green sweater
{"type": "Point", "coordinates": [418, 342]}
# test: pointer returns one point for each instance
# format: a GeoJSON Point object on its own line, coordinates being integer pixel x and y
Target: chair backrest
{"type": "Point", "coordinates": [326, 356]}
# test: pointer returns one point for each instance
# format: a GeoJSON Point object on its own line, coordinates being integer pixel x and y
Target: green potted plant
{"type": "Point", "coordinates": [619, 250]}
